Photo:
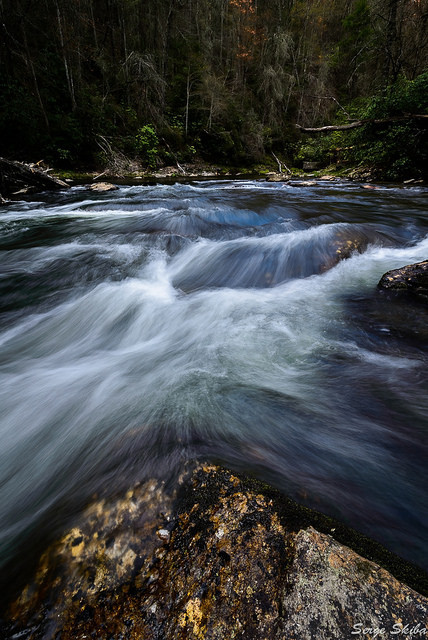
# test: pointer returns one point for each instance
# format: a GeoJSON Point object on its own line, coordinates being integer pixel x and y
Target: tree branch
{"type": "Point", "coordinates": [17, 176]}
{"type": "Point", "coordinates": [280, 164]}
{"type": "Point", "coordinates": [360, 123]}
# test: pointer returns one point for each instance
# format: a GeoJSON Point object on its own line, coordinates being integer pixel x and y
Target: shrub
{"type": "Point", "coordinates": [146, 144]}
{"type": "Point", "coordinates": [394, 150]}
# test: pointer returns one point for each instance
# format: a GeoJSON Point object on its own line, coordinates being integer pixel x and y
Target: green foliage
{"type": "Point", "coordinates": [21, 126]}
{"type": "Point", "coordinates": [321, 149]}
{"type": "Point", "coordinates": [328, 150]}
{"type": "Point", "coordinates": [395, 149]}
{"type": "Point", "coordinates": [218, 143]}
{"type": "Point", "coordinates": [352, 52]}
{"type": "Point", "coordinates": [405, 96]}
{"type": "Point", "coordinates": [146, 144]}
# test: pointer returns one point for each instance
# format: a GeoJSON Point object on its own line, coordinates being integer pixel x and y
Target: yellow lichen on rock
{"type": "Point", "coordinates": [230, 567]}
{"type": "Point", "coordinates": [192, 617]}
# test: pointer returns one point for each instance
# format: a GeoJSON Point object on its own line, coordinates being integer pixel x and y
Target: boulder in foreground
{"type": "Point", "coordinates": [220, 557]}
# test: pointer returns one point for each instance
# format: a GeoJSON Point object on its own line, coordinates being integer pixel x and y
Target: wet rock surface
{"type": "Point", "coordinates": [216, 557]}
{"type": "Point", "coordinates": [103, 186]}
{"type": "Point", "coordinates": [411, 279]}
{"type": "Point", "coordinates": [336, 593]}
{"type": "Point", "coordinates": [274, 176]}
{"type": "Point", "coordinates": [347, 242]}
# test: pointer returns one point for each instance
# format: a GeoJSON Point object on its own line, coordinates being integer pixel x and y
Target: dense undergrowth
{"type": "Point", "coordinates": [395, 149]}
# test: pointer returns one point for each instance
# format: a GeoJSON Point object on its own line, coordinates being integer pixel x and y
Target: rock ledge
{"type": "Point", "coordinates": [219, 557]}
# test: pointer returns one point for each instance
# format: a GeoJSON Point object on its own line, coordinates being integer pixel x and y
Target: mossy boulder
{"type": "Point", "coordinates": [217, 557]}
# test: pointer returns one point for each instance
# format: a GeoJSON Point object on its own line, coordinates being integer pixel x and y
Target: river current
{"type": "Point", "coordinates": [211, 319]}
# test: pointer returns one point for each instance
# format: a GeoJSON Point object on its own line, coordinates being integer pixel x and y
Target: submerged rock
{"type": "Point", "coordinates": [305, 183]}
{"type": "Point", "coordinates": [220, 557]}
{"type": "Point", "coordinates": [412, 279]}
{"type": "Point", "coordinates": [348, 241]}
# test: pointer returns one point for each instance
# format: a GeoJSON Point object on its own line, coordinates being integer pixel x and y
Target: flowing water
{"type": "Point", "coordinates": [145, 326]}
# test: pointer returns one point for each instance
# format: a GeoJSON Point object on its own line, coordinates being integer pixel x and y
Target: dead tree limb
{"type": "Point", "coordinates": [360, 123]}
{"type": "Point", "coordinates": [279, 163]}
{"type": "Point", "coordinates": [18, 177]}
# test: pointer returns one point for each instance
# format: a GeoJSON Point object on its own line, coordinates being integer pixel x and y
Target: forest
{"type": "Point", "coordinates": [88, 82]}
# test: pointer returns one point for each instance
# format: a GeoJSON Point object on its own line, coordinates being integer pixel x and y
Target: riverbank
{"type": "Point", "coordinates": [202, 170]}
{"type": "Point", "coordinates": [21, 179]}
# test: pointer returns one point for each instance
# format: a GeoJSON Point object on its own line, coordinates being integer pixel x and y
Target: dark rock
{"type": "Point", "coordinates": [17, 178]}
{"type": "Point", "coordinates": [411, 279]}
{"type": "Point", "coordinates": [233, 561]}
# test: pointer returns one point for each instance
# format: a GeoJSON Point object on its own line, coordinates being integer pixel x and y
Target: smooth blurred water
{"type": "Point", "coordinates": [142, 327]}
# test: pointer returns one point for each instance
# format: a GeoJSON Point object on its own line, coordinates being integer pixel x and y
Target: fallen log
{"type": "Point", "coordinates": [360, 123]}
{"type": "Point", "coordinates": [17, 177]}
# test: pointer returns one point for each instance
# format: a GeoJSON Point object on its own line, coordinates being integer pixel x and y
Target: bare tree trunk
{"type": "Point", "coordinates": [94, 28]}
{"type": "Point", "coordinates": [210, 117]}
{"type": "Point", "coordinates": [188, 86]}
{"type": "Point", "coordinates": [68, 71]}
{"type": "Point", "coordinates": [392, 62]}
{"type": "Point", "coordinates": [30, 65]}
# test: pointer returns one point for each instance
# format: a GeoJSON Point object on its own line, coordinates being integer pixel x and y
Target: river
{"type": "Point", "coordinates": [157, 323]}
